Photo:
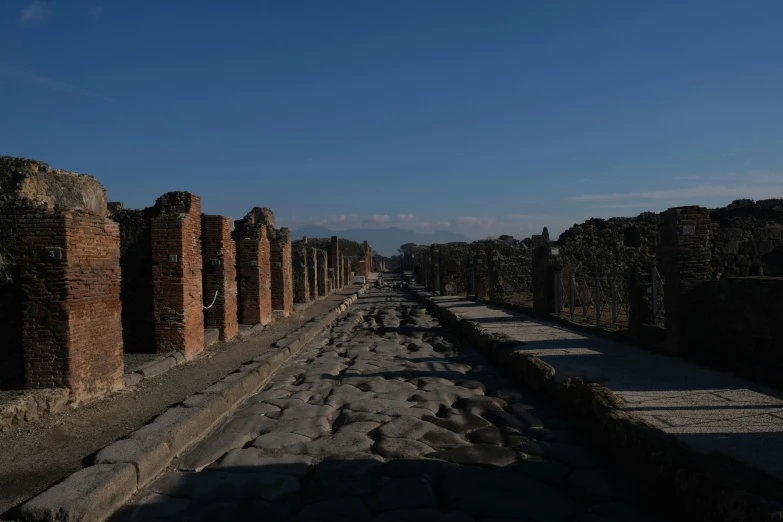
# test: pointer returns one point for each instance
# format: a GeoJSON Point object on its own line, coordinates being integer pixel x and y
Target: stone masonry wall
{"type": "Point", "coordinates": [735, 324]}
{"type": "Point", "coordinates": [71, 332]}
{"type": "Point", "coordinates": [454, 260]}
{"type": "Point", "coordinates": [301, 283]}
{"type": "Point", "coordinates": [176, 274]}
{"type": "Point", "coordinates": [219, 278]}
{"type": "Point", "coordinates": [334, 261]}
{"type": "Point", "coordinates": [323, 273]}
{"type": "Point", "coordinates": [616, 245]}
{"type": "Point", "coordinates": [282, 278]}
{"type": "Point", "coordinates": [312, 272]}
{"type": "Point", "coordinates": [481, 289]}
{"type": "Point", "coordinates": [746, 239]}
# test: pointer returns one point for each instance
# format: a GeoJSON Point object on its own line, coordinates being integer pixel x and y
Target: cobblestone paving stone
{"type": "Point", "coordinates": [386, 417]}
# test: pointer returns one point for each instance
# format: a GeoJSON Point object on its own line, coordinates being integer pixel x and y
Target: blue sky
{"type": "Point", "coordinates": [480, 117]}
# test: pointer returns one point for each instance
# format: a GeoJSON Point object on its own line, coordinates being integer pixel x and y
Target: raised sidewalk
{"type": "Point", "coordinates": [708, 410]}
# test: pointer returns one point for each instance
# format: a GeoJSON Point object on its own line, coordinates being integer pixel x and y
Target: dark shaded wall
{"type": "Point", "coordinates": [138, 321]}
{"type": "Point", "coordinates": [735, 324]}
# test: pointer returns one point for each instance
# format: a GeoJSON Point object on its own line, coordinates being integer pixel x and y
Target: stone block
{"type": "Point", "coordinates": [90, 494]}
{"type": "Point", "coordinates": [211, 336]}
{"type": "Point", "coordinates": [149, 457]}
{"type": "Point", "coordinates": [158, 367]}
{"type": "Point", "coordinates": [132, 379]}
{"type": "Point", "coordinates": [178, 427]}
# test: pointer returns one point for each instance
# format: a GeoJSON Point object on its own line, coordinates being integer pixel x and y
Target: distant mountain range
{"type": "Point", "coordinates": [384, 241]}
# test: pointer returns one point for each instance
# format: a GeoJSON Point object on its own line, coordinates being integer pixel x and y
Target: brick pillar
{"type": "Point", "coordinates": [220, 276]}
{"type": "Point", "coordinates": [347, 271]}
{"type": "Point", "coordinates": [282, 279]}
{"type": "Point", "coordinates": [71, 318]}
{"type": "Point", "coordinates": [323, 273]}
{"type": "Point", "coordinates": [684, 254]}
{"type": "Point", "coordinates": [340, 279]}
{"type": "Point", "coordinates": [255, 277]}
{"type": "Point", "coordinates": [481, 288]}
{"type": "Point", "coordinates": [334, 261]}
{"type": "Point", "coordinates": [312, 272]}
{"type": "Point", "coordinates": [176, 274]}
{"type": "Point", "coordinates": [301, 282]}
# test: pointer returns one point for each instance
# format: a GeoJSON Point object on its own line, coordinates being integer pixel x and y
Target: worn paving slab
{"type": "Point", "coordinates": [378, 419]}
{"type": "Point", "coordinates": [712, 411]}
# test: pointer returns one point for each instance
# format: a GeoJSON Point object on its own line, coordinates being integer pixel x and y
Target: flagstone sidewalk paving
{"type": "Point", "coordinates": [711, 411]}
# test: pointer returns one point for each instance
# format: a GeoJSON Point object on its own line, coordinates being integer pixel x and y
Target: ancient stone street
{"type": "Point", "coordinates": [389, 417]}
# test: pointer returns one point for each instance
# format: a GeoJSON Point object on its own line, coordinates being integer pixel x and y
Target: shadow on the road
{"type": "Point", "coordinates": [365, 488]}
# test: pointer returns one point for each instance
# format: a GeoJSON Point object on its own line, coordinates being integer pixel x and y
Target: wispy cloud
{"type": "Point", "coordinates": [35, 12]}
{"type": "Point", "coordinates": [627, 205]}
{"type": "Point", "coordinates": [755, 185]}
{"type": "Point", "coordinates": [52, 84]}
{"type": "Point", "coordinates": [96, 10]}
{"type": "Point", "coordinates": [518, 225]}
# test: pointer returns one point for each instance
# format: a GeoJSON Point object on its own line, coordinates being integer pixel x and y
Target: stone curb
{"type": "Point", "coordinates": [95, 492]}
{"type": "Point", "coordinates": [165, 362]}
{"type": "Point", "coordinates": [707, 487]}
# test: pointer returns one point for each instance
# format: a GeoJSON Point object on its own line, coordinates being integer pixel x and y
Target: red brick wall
{"type": "Point", "coordinates": [255, 279]}
{"type": "Point", "coordinates": [71, 311]}
{"type": "Point", "coordinates": [312, 272]}
{"type": "Point", "coordinates": [282, 280]}
{"type": "Point", "coordinates": [220, 274]}
{"type": "Point", "coordinates": [177, 285]}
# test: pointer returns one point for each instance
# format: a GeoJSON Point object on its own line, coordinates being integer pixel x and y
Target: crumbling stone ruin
{"type": "Point", "coordinates": [83, 280]}
{"type": "Point", "coordinates": [60, 307]}
{"type": "Point", "coordinates": [655, 269]}
{"type": "Point", "coordinates": [346, 258]}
